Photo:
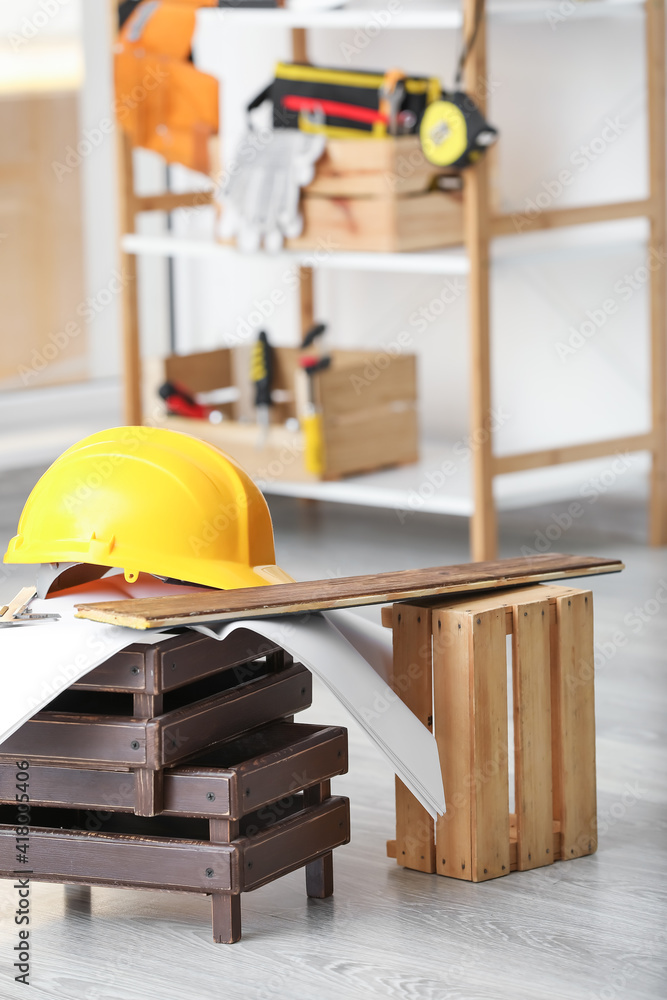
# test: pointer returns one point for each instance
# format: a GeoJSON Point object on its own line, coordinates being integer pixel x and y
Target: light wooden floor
{"type": "Point", "coordinates": [580, 930]}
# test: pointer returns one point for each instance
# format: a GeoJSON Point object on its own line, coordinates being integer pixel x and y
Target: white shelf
{"type": "Point", "coordinates": [595, 239]}
{"type": "Point", "coordinates": [422, 15]}
{"type": "Point", "coordinates": [427, 262]}
{"type": "Point", "coordinates": [408, 489]}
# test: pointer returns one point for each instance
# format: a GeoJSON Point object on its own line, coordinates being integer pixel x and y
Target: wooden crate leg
{"type": "Point", "coordinates": [470, 707]}
{"type": "Point", "coordinates": [226, 917]}
{"type": "Point", "coordinates": [319, 877]}
{"type": "Point", "coordinates": [412, 679]}
{"type": "Point", "coordinates": [573, 725]}
{"type": "Point", "coordinates": [149, 792]}
{"type": "Point", "coordinates": [319, 874]}
{"type": "Point", "coordinates": [532, 735]}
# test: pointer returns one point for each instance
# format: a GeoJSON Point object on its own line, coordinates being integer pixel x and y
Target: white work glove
{"type": "Point", "coordinates": [261, 196]}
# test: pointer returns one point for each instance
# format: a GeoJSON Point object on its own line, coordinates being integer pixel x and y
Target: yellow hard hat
{"type": "Point", "coordinates": [151, 500]}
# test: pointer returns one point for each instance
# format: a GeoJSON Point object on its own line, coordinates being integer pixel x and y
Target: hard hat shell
{"type": "Point", "coordinates": [152, 500]}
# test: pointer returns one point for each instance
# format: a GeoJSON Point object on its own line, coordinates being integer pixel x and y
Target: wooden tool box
{"type": "Point", "coordinates": [450, 667]}
{"type": "Point", "coordinates": [176, 766]}
{"type": "Point", "coordinates": [367, 401]}
{"type": "Point", "coordinates": [375, 194]}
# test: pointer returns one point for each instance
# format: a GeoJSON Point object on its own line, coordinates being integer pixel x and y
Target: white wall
{"type": "Point", "coordinates": [553, 89]}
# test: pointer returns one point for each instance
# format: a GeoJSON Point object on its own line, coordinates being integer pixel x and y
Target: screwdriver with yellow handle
{"type": "Point", "coordinates": [311, 422]}
{"type": "Point", "coordinates": [261, 374]}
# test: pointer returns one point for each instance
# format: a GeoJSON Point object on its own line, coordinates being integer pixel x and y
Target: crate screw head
{"type": "Point", "coordinates": [247, 791]}
{"type": "Point", "coordinates": [530, 857]}
{"type": "Point", "coordinates": [479, 621]}
{"type": "Point", "coordinates": [250, 864]}
{"type": "Point", "coordinates": [547, 850]}
{"type": "Point", "coordinates": [303, 690]}
{"type": "Point", "coordinates": [173, 666]}
{"type": "Point", "coordinates": [503, 867]}
{"type": "Point", "coordinates": [340, 753]}
{"type": "Point", "coordinates": [210, 796]}
{"type": "Point", "coordinates": [525, 614]}
{"type": "Point", "coordinates": [209, 873]}
{"type": "Point", "coordinates": [443, 861]}
{"type": "Point", "coordinates": [134, 670]}
{"type": "Point", "coordinates": [135, 744]}
{"type": "Point", "coordinates": [486, 871]}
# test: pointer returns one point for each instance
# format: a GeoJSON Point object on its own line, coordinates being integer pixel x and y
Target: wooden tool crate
{"type": "Point", "coordinates": [450, 667]}
{"type": "Point", "coordinates": [374, 194]}
{"type": "Point", "coordinates": [367, 401]}
{"type": "Point", "coordinates": [187, 781]}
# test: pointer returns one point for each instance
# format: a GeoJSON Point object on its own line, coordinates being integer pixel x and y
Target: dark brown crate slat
{"type": "Point", "coordinates": [174, 662]}
{"type": "Point", "coordinates": [117, 859]}
{"type": "Point", "coordinates": [294, 842]}
{"type": "Point", "coordinates": [305, 755]}
{"type": "Point", "coordinates": [351, 591]}
{"type": "Point", "coordinates": [94, 739]}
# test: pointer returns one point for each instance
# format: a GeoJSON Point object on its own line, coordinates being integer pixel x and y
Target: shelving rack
{"type": "Point", "coordinates": [481, 227]}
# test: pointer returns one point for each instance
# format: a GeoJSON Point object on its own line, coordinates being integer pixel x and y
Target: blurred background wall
{"type": "Point", "coordinates": [550, 102]}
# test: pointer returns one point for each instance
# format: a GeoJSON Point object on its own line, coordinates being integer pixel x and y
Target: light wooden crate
{"type": "Point", "coordinates": [373, 195]}
{"type": "Point", "coordinates": [367, 401]}
{"type": "Point", "coordinates": [450, 667]}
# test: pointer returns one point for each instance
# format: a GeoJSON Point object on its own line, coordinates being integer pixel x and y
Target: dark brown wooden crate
{"type": "Point", "coordinates": [173, 662]}
{"type": "Point", "coordinates": [169, 860]}
{"type": "Point", "coordinates": [61, 737]}
{"type": "Point", "coordinates": [269, 763]}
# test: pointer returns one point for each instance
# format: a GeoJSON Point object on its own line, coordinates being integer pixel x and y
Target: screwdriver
{"type": "Point", "coordinates": [261, 372]}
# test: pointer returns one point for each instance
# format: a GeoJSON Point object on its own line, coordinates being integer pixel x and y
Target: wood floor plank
{"type": "Point", "coordinates": [344, 592]}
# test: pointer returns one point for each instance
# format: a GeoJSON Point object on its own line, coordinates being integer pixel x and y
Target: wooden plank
{"type": "Point", "coordinates": [477, 234]}
{"type": "Point", "coordinates": [412, 679]}
{"type": "Point", "coordinates": [532, 734]}
{"type": "Point", "coordinates": [131, 348]}
{"type": "Point", "coordinates": [318, 595]}
{"type": "Point", "coordinates": [657, 84]}
{"type": "Point", "coordinates": [66, 737]}
{"type": "Point", "coordinates": [573, 725]}
{"type": "Point", "coordinates": [570, 453]}
{"type": "Point", "coordinates": [580, 215]}
{"type": "Point", "coordinates": [489, 765]}
{"type": "Point", "coordinates": [452, 714]}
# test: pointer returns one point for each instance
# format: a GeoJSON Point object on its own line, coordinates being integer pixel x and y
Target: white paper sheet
{"type": "Point", "coordinates": [349, 653]}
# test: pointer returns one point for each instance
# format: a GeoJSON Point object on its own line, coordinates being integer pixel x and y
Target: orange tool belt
{"type": "Point", "coordinates": [163, 102]}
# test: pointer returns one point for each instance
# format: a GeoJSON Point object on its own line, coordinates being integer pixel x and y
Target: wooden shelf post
{"type": "Point", "coordinates": [656, 83]}
{"type": "Point", "coordinates": [477, 231]}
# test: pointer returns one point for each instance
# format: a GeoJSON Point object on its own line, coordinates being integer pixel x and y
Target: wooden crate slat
{"type": "Point", "coordinates": [123, 860]}
{"type": "Point", "coordinates": [532, 734]}
{"type": "Point", "coordinates": [294, 842]}
{"type": "Point", "coordinates": [412, 678]}
{"type": "Point", "coordinates": [453, 732]}
{"type": "Point", "coordinates": [490, 804]}
{"type": "Point", "coordinates": [573, 725]}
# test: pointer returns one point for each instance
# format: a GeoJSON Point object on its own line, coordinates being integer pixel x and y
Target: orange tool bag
{"type": "Point", "coordinates": [163, 102]}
